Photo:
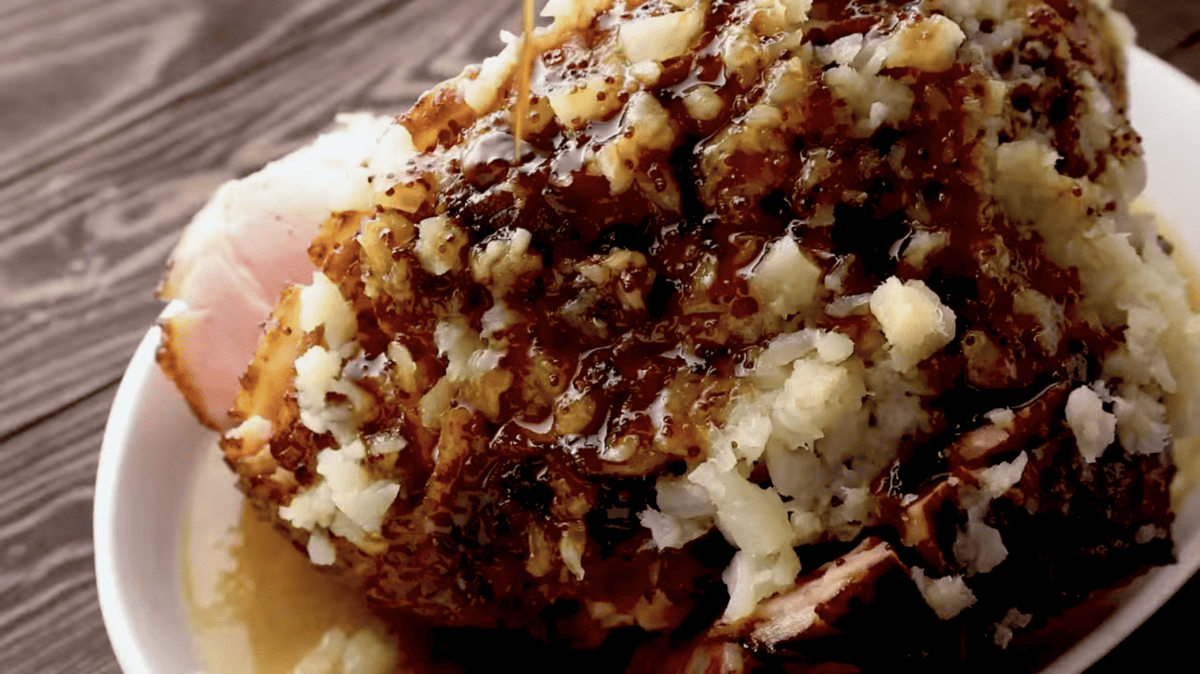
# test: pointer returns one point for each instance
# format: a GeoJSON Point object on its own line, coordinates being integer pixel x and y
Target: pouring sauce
{"type": "Point", "coordinates": [524, 68]}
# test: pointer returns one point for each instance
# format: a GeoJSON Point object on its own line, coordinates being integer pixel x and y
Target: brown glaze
{"type": "Point", "coordinates": [615, 346]}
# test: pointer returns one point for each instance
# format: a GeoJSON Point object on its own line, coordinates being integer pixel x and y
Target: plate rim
{"type": "Point", "coordinates": [114, 446]}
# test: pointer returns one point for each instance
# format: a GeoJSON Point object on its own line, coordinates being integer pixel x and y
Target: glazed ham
{"type": "Point", "coordinates": [781, 319]}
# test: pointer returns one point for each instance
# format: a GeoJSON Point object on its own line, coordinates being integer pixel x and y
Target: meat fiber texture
{"type": "Point", "coordinates": [757, 279]}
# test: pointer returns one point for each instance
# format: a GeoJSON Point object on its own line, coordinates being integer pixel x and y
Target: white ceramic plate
{"type": "Point", "coordinates": [152, 444]}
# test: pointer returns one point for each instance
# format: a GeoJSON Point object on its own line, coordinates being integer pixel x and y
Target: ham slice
{"type": "Point", "coordinates": [248, 244]}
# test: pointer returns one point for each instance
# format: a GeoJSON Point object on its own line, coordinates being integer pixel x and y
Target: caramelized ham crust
{"type": "Point", "coordinates": [788, 318]}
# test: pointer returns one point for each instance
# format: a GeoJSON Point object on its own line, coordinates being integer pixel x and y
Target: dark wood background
{"type": "Point", "coordinates": [117, 119]}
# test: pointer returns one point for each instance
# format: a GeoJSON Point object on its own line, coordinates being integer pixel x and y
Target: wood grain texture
{"type": "Point", "coordinates": [117, 120]}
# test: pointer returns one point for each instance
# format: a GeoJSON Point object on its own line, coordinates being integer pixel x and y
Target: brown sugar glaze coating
{"type": "Point", "coordinates": [618, 361]}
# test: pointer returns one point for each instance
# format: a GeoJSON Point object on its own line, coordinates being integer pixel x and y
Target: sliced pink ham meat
{"type": "Point", "coordinates": [241, 251]}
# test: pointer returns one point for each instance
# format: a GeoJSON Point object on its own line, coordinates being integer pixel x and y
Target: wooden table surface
{"type": "Point", "coordinates": [117, 119]}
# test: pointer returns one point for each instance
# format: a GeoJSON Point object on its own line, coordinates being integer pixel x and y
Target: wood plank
{"type": "Point", "coordinates": [102, 208]}
{"type": "Point", "coordinates": [49, 615]}
{"type": "Point", "coordinates": [1168, 28]}
{"type": "Point", "coordinates": [117, 120]}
